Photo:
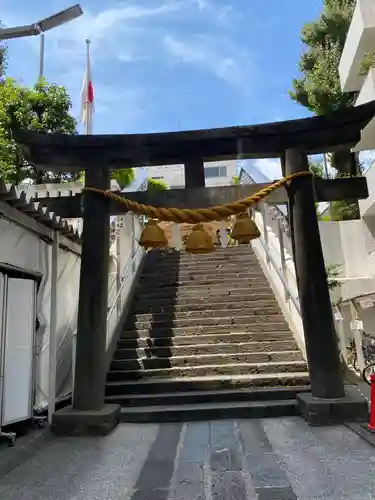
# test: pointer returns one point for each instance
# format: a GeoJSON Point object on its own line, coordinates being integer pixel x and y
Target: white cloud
{"type": "Point", "coordinates": [133, 31]}
{"type": "Point", "coordinates": [270, 167]}
{"type": "Point", "coordinates": [213, 54]}
{"type": "Point", "coordinates": [219, 11]}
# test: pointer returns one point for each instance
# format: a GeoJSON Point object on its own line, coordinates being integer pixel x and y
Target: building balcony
{"type": "Point", "coordinates": [360, 40]}
{"type": "Point", "coordinates": [367, 206]}
{"type": "Point", "coordinates": [367, 94]}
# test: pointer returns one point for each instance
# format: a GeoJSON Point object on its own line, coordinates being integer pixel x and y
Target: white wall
{"type": "Point", "coordinates": [360, 39]}
{"type": "Point", "coordinates": [174, 175]}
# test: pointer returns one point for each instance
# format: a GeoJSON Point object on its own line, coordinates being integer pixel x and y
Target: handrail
{"type": "Point", "coordinates": [127, 268]}
{"type": "Point", "coordinates": [280, 275]}
{"type": "Point", "coordinates": [280, 272]}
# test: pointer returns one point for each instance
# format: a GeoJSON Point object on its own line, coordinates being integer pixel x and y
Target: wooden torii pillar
{"type": "Point", "coordinates": [89, 414]}
{"type": "Point", "coordinates": [329, 401]}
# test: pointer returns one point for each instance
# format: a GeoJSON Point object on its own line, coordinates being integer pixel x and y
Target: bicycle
{"type": "Point", "coordinates": [352, 358]}
{"type": "Point", "coordinates": [369, 355]}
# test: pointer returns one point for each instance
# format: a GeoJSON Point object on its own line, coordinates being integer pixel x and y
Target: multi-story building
{"type": "Point", "coordinates": [218, 173]}
{"type": "Point", "coordinates": [359, 43]}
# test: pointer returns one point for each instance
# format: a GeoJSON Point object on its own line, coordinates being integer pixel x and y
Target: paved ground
{"type": "Point", "coordinates": [268, 459]}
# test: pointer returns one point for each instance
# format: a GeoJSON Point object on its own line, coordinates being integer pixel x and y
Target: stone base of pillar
{"type": "Point", "coordinates": [318, 411]}
{"type": "Point", "coordinates": [71, 422]}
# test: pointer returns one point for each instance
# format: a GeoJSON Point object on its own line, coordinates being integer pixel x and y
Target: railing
{"type": "Point", "coordinates": [124, 278]}
{"type": "Point", "coordinates": [129, 269]}
{"type": "Point", "coordinates": [278, 266]}
{"type": "Point", "coordinates": [283, 280]}
{"type": "Point", "coordinates": [123, 281]}
{"type": "Point", "coordinates": [282, 268]}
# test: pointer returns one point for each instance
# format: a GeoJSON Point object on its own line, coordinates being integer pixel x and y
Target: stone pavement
{"type": "Point", "coordinates": [267, 459]}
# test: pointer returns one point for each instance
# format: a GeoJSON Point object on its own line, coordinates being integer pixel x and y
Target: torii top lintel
{"type": "Point", "coordinates": [312, 135]}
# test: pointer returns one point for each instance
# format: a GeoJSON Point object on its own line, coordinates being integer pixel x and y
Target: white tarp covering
{"type": "Point", "coordinates": [24, 249]}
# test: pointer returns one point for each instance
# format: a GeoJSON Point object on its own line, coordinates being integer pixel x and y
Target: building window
{"type": "Point", "coordinates": [156, 178]}
{"type": "Point", "coordinates": [215, 172]}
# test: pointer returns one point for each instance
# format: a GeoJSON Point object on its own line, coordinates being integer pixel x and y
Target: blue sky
{"type": "Point", "coordinates": [161, 65]}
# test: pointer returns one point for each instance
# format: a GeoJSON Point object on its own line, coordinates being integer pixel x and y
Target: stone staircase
{"type": "Point", "coordinates": [205, 339]}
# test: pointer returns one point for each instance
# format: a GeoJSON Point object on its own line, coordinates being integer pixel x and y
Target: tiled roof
{"type": "Point", "coordinates": [21, 201]}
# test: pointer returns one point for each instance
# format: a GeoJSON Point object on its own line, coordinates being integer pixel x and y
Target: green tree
{"type": "Point", "coordinates": [235, 180]}
{"type": "Point", "coordinates": [3, 57]}
{"type": "Point", "coordinates": [368, 63]}
{"type": "Point", "coordinates": [124, 177]}
{"type": "Point", "coordinates": [345, 210]}
{"type": "Point", "coordinates": [156, 185]}
{"type": "Point", "coordinates": [44, 107]}
{"type": "Point", "coordinates": [318, 88]}
{"type": "Point", "coordinates": [316, 168]}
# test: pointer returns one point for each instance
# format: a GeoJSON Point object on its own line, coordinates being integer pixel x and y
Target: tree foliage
{"type": "Point", "coordinates": [156, 185]}
{"type": "Point", "coordinates": [318, 88]}
{"type": "Point", "coordinates": [44, 107]}
{"type": "Point", "coordinates": [124, 177]}
{"type": "Point", "coordinates": [316, 168]}
{"type": "Point", "coordinates": [3, 57]}
{"type": "Point", "coordinates": [368, 62]}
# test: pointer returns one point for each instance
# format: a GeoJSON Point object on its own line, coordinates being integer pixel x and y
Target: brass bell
{"type": "Point", "coordinates": [153, 236]}
{"type": "Point", "coordinates": [199, 241]}
{"type": "Point", "coordinates": [244, 229]}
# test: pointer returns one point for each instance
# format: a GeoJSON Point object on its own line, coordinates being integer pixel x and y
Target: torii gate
{"type": "Point", "coordinates": [291, 141]}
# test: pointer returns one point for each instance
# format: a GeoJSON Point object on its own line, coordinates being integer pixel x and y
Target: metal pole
{"type": "Point", "coordinates": [326, 174]}
{"type": "Point", "coordinates": [265, 229]}
{"type": "Point", "coordinates": [118, 271]}
{"type": "Point", "coordinates": [53, 327]}
{"type": "Point", "coordinates": [88, 128]}
{"type": "Point", "coordinates": [283, 260]}
{"type": "Point", "coordinates": [41, 55]}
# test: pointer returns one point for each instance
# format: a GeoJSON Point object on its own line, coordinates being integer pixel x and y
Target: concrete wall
{"type": "Point", "coordinates": [349, 244]}
{"type": "Point", "coordinates": [174, 175]}
{"type": "Point", "coordinates": [360, 40]}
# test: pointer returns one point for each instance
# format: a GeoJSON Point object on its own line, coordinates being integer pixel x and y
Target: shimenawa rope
{"type": "Point", "coordinates": [194, 216]}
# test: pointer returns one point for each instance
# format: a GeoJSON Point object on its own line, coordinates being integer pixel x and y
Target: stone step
{"type": "Point", "coordinates": [231, 266]}
{"type": "Point", "coordinates": [206, 293]}
{"type": "Point", "coordinates": [209, 411]}
{"type": "Point", "coordinates": [217, 269]}
{"type": "Point", "coordinates": [198, 331]}
{"type": "Point", "coordinates": [227, 254]}
{"type": "Point", "coordinates": [244, 319]}
{"type": "Point", "coordinates": [264, 310]}
{"type": "Point", "coordinates": [171, 279]}
{"type": "Point", "coordinates": [155, 363]}
{"type": "Point", "coordinates": [209, 370]}
{"type": "Point", "coordinates": [207, 383]}
{"type": "Point", "coordinates": [199, 304]}
{"type": "Point", "coordinates": [192, 265]}
{"type": "Point", "coordinates": [135, 341]}
{"type": "Point", "coordinates": [233, 280]}
{"type": "Point", "coordinates": [201, 349]}
{"type": "Point", "coordinates": [207, 396]}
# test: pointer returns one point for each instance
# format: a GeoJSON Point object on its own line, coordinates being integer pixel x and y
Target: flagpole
{"type": "Point", "coordinates": [88, 125]}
